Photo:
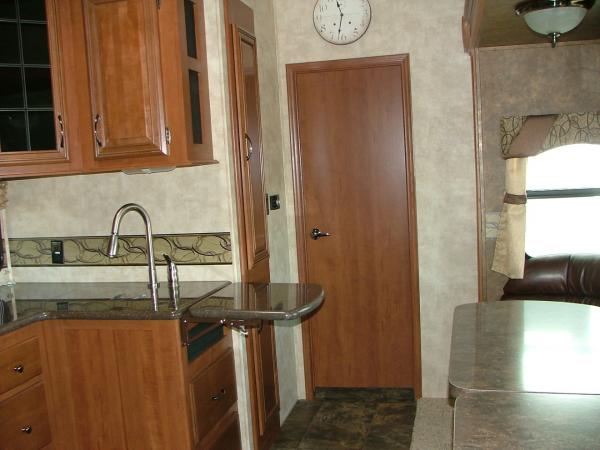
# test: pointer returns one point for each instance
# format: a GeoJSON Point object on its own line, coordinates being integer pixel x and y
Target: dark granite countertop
{"type": "Point", "coordinates": [31, 302]}
{"type": "Point", "coordinates": [273, 301]}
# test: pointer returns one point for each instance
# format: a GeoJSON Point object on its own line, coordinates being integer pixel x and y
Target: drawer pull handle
{"type": "Point", "coordinates": [18, 369]}
{"type": "Point", "coordinates": [220, 395]}
{"type": "Point", "coordinates": [26, 429]}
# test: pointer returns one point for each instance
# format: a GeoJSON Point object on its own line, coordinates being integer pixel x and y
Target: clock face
{"type": "Point", "coordinates": [342, 21]}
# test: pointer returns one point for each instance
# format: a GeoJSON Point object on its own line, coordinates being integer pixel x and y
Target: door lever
{"type": "Point", "coordinates": [316, 234]}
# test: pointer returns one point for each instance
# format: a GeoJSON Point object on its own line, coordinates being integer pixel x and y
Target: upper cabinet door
{"type": "Point", "coordinates": [125, 76]}
{"type": "Point", "coordinates": [250, 146]}
{"type": "Point", "coordinates": [32, 116]}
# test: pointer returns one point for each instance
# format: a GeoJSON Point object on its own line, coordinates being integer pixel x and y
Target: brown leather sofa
{"type": "Point", "coordinates": [566, 278]}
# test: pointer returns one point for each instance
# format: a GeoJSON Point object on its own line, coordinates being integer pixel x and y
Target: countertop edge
{"type": "Point", "coordinates": [227, 314]}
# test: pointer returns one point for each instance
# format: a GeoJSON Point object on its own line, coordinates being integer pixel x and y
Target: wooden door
{"type": "Point", "coordinates": [38, 121]}
{"type": "Point", "coordinates": [250, 155]}
{"type": "Point", "coordinates": [125, 77]}
{"type": "Point", "coordinates": [252, 213]}
{"type": "Point", "coordinates": [350, 124]}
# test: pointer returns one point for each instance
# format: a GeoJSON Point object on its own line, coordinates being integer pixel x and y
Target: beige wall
{"type": "Point", "coordinates": [520, 81]}
{"type": "Point", "coordinates": [443, 148]}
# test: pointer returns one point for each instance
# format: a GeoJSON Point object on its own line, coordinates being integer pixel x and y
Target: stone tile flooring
{"type": "Point", "coordinates": [364, 419]}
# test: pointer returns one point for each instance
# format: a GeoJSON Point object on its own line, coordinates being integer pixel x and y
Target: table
{"type": "Point", "coordinates": [505, 421]}
{"type": "Point", "coordinates": [525, 346]}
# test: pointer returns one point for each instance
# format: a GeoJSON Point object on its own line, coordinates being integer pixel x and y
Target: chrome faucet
{"type": "Point", "coordinates": [173, 278]}
{"type": "Point", "coordinates": [114, 245]}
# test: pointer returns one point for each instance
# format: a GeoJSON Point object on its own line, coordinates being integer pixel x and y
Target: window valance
{"type": "Point", "coordinates": [524, 136]}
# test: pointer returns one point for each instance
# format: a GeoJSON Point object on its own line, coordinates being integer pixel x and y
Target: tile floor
{"type": "Point", "coordinates": [364, 419]}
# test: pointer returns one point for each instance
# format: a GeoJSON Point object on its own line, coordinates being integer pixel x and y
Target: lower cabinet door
{"type": "Point", "coordinates": [214, 393]}
{"type": "Point", "coordinates": [24, 420]}
{"type": "Point", "coordinates": [229, 439]}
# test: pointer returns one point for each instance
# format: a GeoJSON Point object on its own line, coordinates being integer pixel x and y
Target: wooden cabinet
{"type": "Point", "coordinates": [24, 423]}
{"type": "Point", "coordinates": [128, 385]}
{"type": "Point", "coordinates": [38, 111]}
{"type": "Point", "coordinates": [124, 86]}
{"type": "Point", "coordinates": [126, 83]}
{"type": "Point", "coordinates": [252, 212]}
{"type": "Point", "coordinates": [214, 400]}
{"type": "Point", "coordinates": [24, 418]}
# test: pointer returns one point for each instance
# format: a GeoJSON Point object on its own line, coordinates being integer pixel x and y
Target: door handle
{"type": "Point", "coordinates": [316, 234]}
{"type": "Point", "coordinates": [250, 146]}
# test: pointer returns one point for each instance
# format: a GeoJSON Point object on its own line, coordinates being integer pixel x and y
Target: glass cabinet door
{"type": "Point", "coordinates": [31, 117]}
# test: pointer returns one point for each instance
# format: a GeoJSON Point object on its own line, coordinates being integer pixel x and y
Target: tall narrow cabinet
{"type": "Point", "coordinates": [252, 212]}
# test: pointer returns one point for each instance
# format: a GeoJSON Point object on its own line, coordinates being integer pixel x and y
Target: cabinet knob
{"type": "Point", "coordinates": [18, 369]}
{"type": "Point", "coordinates": [27, 429]}
{"type": "Point", "coordinates": [222, 393]}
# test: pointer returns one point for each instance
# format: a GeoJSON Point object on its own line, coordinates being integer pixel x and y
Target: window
{"type": "Point", "coordinates": [563, 206]}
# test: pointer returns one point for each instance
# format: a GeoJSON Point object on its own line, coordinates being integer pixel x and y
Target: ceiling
{"type": "Point", "coordinates": [500, 26]}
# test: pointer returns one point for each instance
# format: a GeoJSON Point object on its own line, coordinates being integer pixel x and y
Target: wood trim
{"type": "Point", "coordinates": [471, 23]}
{"type": "Point", "coordinates": [412, 226]}
{"type": "Point", "coordinates": [299, 209]}
{"type": "Point", "coordinates": [293, 70]}
{"type": "Point", "coordinates": [479, 185]}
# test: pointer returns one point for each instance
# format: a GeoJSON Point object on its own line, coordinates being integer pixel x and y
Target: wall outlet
{"type": "Point", "coordinates": [56, 249]}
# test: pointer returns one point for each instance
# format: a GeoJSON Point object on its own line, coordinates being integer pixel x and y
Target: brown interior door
{"type": "Point", "coordinates": [128, 111]}
{"type": "Point", "coordinates": [353, 172]}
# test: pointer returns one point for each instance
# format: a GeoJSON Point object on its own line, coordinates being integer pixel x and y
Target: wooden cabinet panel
{"type": "Point", "coordinates": [125, 73]}
{"type": "Point", "coordinates": [250, 157]}
{"type": "Point", "coordinates": [118, 385]}
{"type": "Point", "coordinates": [19, 364]}
{"type": "Point", "coordinates": [229, 439]}
{"type": "Point", "coordinates": [270, 385]}
{"type": "Point", "coordinates": [213, 393]}
{"type": "Point", "coordinates": [24, 421]}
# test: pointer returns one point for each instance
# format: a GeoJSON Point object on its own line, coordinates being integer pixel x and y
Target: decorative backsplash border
{"type": "Point", "coordinates": [184, 249]}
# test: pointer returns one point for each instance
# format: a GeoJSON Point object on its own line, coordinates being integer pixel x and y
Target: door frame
{"type": "Point", "coordinates": [292, 71]}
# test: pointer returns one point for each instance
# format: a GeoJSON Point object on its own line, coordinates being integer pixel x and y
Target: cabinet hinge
{"type": "Point", "coordinates": [168, 135]}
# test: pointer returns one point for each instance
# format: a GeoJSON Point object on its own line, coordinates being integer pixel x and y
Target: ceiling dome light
{"type": "Point", "coordinates": [553, 18]}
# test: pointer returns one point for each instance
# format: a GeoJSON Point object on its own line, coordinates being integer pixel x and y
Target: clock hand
{"type": "Point", "coordinates": [341, 17]}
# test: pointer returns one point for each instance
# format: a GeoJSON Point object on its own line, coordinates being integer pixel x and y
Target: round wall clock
{"type": "Point", "coordinates": [342, 21]}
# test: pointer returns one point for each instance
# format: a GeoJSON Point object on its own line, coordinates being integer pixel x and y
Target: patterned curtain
{"type": "Point", "coordinates": [524, 136]}
{"type": "Point", "coordinates": [3, 194]}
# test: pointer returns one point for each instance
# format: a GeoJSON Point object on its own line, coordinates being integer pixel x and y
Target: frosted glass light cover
{"type": "Point", "coordinates": [555, 20]}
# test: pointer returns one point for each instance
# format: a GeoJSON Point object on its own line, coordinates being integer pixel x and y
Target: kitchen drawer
{"type": "Point", "coordinates": [213, 393]}
{"type": "Point", "coordinates": [229, 438]}
{"type": "Point", "coordinates": [24, 420]}
{"type": "Point", "coordinates": [18, 364]}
